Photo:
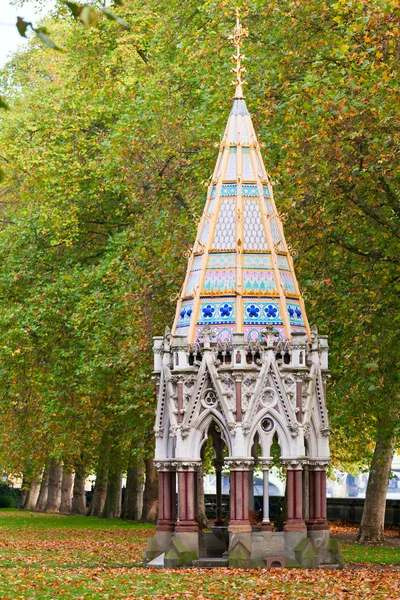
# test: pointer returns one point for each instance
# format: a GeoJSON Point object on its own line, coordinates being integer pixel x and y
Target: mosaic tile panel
{"type": "Point", "coordinates": [211, 206]}
{"type": "Point", "coordinates": [224, 237]}
{"type": "Point", "coordinates": [259, 168]}
{"type": "Point", "coordinates": [295, 314]}
{"type": "Point", "coordinates": [254, 236]}
{"type": "Point", "coordinates": [276, 236]}
{"type": "Point", "coordinates": [249, 190]}
{"type": "Point", "coordinates": [266, 192]}
{"type": "Point", "coordinates": [218, 261]}
{"type": "Point", "coordinates": [248, 174]}
{"type": "Point", "coordinates": [219, 333]}
{"type": "Point", "coordinates": [258, 282]}
{"type": "Point", "coordinates": [193, 282]}
{"type": "Point", "coordinates": [244, 136]}
{"type": "Point", "coordinates": [231, 168]}
{"type": "Point", "coordinates": [257, 261]}
{"type": "Point", "coordinates": [213, 191]}
{"type": "Point", "coordinates": [229, 189]}
{"type": "Point", "coordinates": [204, 232]}
{"type": "Point", "coordinates": [283, 263]}
{"type": "Point", "coordinates": [219, 281]}
{"type": "Point", "coordinates": [287, 282]}
{"type": "Point", "coordinates": [216, 312]}
{"type": "Point", "coordinates": [262, 312]}
{"type": "Point", "coordinates": [251, 334]}
{"type": "Point", "coordinates": [268, 207]}
{"type": "Point", "coordinates": [196, 264]}
{"type": "Point", "coordinates": [185, 314]}
{"type": "Point", "coordinates": [234, 130]}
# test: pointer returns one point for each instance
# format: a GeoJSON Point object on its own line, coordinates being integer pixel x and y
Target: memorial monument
{"type": "Point", "coordinates": [241, 365]}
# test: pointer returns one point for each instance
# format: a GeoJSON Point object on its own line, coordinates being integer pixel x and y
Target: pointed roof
{"type": "Point", "coordinates": [240, 274]}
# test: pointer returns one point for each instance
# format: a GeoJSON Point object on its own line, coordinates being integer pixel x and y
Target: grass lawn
{"type": "Point", "coordinates": [55, 556]}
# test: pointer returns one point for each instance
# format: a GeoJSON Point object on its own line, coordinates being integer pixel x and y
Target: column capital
{"type": "Point", "coordinates": [187, 465]}
{"type": "Point", "coordinates": [319, 464]}
{"type": "Point", "coordinates": [265, 463]}
{"type": "Point", "coordinates": [295, 464]}
{"type": "Point", "coordinates": [240, 464]}
{"type": "Point", "coordinates": [164, 465]}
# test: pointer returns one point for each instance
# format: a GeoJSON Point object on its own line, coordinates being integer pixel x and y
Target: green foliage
{"type": "Point", "coordinates": [108, 146]}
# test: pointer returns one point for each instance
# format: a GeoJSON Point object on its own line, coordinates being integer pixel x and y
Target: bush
{"type": "Point", "coordinates": [8, 501]}
{"type": "Point", "coordinates": [8, 497]}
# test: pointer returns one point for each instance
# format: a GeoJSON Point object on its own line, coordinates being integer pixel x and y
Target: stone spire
{"type": "Point", "coordinates": [240, 276]}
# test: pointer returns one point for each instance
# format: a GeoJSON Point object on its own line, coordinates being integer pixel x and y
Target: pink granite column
{"type": "Point", "coordinates": [294, 483]}
{"type": "Point", "coordinates": [317, 516]}
{"type": "Point", "coordinates": [239, 495]}
{"type": "Point", "coordinates": [187, 502]}
{"type": "Point", "coordinates": [166, 497]}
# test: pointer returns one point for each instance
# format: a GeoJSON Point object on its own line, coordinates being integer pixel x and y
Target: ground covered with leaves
{"type": "Point", "coordinates": [51, 556]}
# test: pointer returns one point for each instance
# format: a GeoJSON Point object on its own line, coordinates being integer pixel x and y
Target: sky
{"type": "Point", "coordinates": [10, 39]}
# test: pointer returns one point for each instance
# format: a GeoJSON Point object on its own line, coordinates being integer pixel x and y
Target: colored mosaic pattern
{"type": "Point", "coordinates": [224, 237]}
{"type": "Point", "coordinates": [218, 261]}
{"type": "Point", "coordinates": [248, 174]}
{"type": "Point", "coordinates": [219, 333]}
{"type": "Point", "coordinates": [257, 261]}
{"type": "Point", "coordinates": [254, 236]}
{"type": "Point", "coordinates": [258, 282]}
{"type": "Point", "coordinates": [262, 313]}
{"type": "Point", "coordinates": [283, 263]}
{"type": "Point", "coordinates": [219, 282]}
{"type": "Point", "coordinates": [192, 283]}
{"type": "Point", "coordinates": [295, 313]}
{"type": "Point", "coordinates": [276, 236]}
{"type": "Point", "coordinates": [249, 190]}
{"type": "Point", "coordinates": [287, 282]}
{"type": "Point", "coordinates": [268, 207]}
{"type": "Point", "coordinates": [204, 232]}
{"type": "Point", "coordinates": [216, 312]}
{"type": "Point", "coordinates": [185, 314]}
{"type": "Point", "coordinates": [231, 168]}
{"type": "Point", "coordinates": [240, 233]}
{"type": "Point", "coordinates": [229, 189]}
{"type": "Point", "coordinates": [266, 191]}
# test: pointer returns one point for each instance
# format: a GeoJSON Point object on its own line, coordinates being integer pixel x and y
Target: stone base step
{"type": "Point", "coordinates": [329, 566]}
{"type": "Point", "coordinates": [210, 562]}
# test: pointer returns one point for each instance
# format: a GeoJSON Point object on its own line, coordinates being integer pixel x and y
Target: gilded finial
{"type": "Point", "coordinates": [237, 38]}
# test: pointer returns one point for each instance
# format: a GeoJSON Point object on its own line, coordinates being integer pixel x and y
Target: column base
{"type": "Point", "coordinates": [239, 527]}
{"type": "Point", "coordinates": [187, 527]}
{"type": "Point", "coordinates": [267, 526]}
{"type": "Point", "coordinates": [165, 526]}
{"type": "Point", "coordinates": [317, 525]}
{"type": "Point", "coordinates": [294, 525]}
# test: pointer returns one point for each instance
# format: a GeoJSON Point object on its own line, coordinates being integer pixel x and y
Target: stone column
{"type": "Point", "coordinates": [294, 483]}
{"type": "Point", "coordinates": [266, 523]}
{"type": "Point", "coordinates": [218, 464]}
{"type": "Point", "coordinates": [166, 502]}
{"type": "Point", "coordinates": [187, 496]}
{"type": "Point", "coordinates": [239, 494]}
{"type": "Point", "coordinates": [317, 493]}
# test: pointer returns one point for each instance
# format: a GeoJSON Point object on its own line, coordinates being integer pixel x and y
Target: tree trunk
{"type": "Point", "coordinates": [150, 495]}
{"type": "Point", "coordinates": [373, 517]}
{"type": "Point", "coordinates": [54, 490]}
{"type": "Point", "coordinates": [66, 491]}
{"type": "Point", "coordinates": [201, 506]}
{"type": "Point", "coordinates": [133, 501]}
{"type": "Point", "coordinates": [100, 488]}
{"type": "Point", "coordinates": [112, 505]}
{"type": "Point", "coordinates": [79, 495]}
{"type": "Point", "coordinates": [44, 487]}
{"type": "Point", "coordinates": [32, 495]}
